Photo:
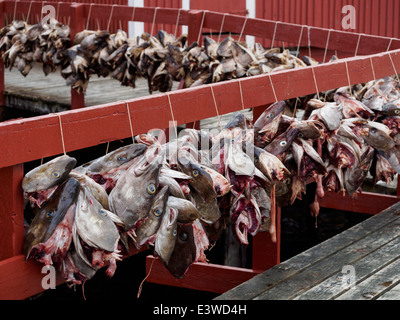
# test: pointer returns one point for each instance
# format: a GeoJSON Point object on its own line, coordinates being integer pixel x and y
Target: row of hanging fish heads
{"type": "Point", "coordinates": [177, 197]}
{"type": "Point", "coordinates": [162, 59]}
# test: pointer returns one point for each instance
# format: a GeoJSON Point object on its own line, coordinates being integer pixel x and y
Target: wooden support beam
{"type": "Point", "coordinates": [366, 202]}
{"type": "Point", "coordinates": [200, 276]}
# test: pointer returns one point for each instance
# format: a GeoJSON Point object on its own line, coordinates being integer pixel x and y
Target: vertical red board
{"type": "Point", "coordinates": [11, 211]}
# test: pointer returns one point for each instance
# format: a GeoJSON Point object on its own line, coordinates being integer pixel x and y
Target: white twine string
{"type": "Point", "coordinates": [61, 132]}
{"type": "Point", "coordinates": [216, 107]}
{"type": "Point", "coordinates": [89, 14]}
{"type": "Point", "coordinates": [109, 19]}
{"type": "Point", "coordinates": [177, 20]}
{"type": "Point", "coordinates": [358, 43]}
{"type": "Point", "coordinates": [327, 44]}
{"type": "Point", "coordinates": [273, 37]}
{"type": "Point", "coordinates": [220, 29]}
{"type": "Point", "coordinates": [154, 20]}
{"type": "Point", "coordinates": [241, 32]}
{"type": "Point", "coordinates": [201, 26]}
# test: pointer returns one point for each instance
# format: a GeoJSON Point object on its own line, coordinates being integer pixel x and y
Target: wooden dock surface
{"type": "Point", "coordinates": [42, 94]}
{"type": "Point", "coordinates": [361, 263]}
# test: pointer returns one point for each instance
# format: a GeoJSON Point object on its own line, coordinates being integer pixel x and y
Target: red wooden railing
{"type": "Point", "coordinates": [30, 139]}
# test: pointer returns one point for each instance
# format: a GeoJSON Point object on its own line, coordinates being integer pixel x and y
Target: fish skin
{"type": "Point", "coordinates": [151, 225]}
{"type": "Point", "coordinates": [47, 218]}
{"type": "Point", "coordinates": [187, 211]}
{"type": "Point", "coordinates": [377, 135]}
{"type": "Point", "coordinates": [48, 174]}
{"type": "Point", "coordinates": [355, 175]}
{"type": "Point", "coordinates": [201, 180]}
{"type": "Point", "coordinates": [166, 235]}
{"type": "Point", "coordinates": [132, 195]}
{"type": "Point", "coordinates": [94, 226]}
{"type": "Point", "coordinates": [266, 126]}
{"type": "Point", "coordinates": [282, 143]}
{"type": "Point", "coordinates": [184, 252]}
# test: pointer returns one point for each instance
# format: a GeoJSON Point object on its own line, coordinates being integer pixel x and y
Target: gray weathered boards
{"type": "Point", "coordinates": [360, 263]}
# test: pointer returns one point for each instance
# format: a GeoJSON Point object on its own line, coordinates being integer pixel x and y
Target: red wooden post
{"type": "Point", "coordinates": [11, 211]}
{"type": "Point", "coordinates": [266, 253]}
{"type": "Point", "coordinates": [77, 25]}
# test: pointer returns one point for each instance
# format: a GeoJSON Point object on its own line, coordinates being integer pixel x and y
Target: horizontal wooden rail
{"type": "Point", "coordinates": [290, 33]}
{"type": "Point", "coordinates": [34, 138]}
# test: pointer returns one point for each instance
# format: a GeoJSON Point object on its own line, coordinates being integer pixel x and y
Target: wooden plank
{"type": "Point", "coordinates": [330, 264]}
{"type": "Point", "coordinates": [200, 276]}
{"type": "Point", "coordinates": [291, 267]}
{"type": "Point", "coordinates": [374, 286]}
{"type": "Point", "coordinates": [373, 262]}
{"type": "Point", "coordinates": [37, 137]}
{"type": "Point", "coordinates": [392, 294]}
{"type": "Point", "coordinates": [11, 211]}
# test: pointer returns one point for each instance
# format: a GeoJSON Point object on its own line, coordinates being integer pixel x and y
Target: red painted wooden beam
{"type": "Point", "coordinates": [200, 276]}
{"type": "Point", "coordinates": [366, 202]}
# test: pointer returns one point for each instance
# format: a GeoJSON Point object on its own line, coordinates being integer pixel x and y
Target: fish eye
{"type": "Point", "coordinates": [373, 130]}
{"type": "Point", "coordinates": [103, 213]}
{"type": "Point", "coordinates": [157, 212]}
{"type": "Point", "coordinates": [397, 111]}
{"type": "Point", "coordinates": [300, 135]}
{"type": "Point", "coordinates": [183, 236]}
{"type": "Point", "coordinates": [121, 159]}
{"type": "Point", "coordinates": [151, 189]}
{"type": "Point", "coordinates": [269, 115]}
{"type": "Point", "coordinates": [287, 181]}
{"type": "Point", "coordinates": [56, 174]}
{"type": "Point", "coordinates": [283, 143]}
{"type": "Point", "coordinates": [195, 173]}
{"type": "Point", "coordinates": [174, 233]}
{"type": "Point", "coordinates": [50, 214]}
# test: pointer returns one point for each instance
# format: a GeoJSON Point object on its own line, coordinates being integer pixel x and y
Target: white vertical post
{"type": "Point", "coordinates": [185, 6]}
{"type": "Point", "coordinates": [251, 9]}
{"type": "Point", "coordinates": [136, 28]}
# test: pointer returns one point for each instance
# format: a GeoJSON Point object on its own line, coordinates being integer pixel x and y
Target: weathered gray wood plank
{"type": "Point", "coordinates": [392, 294]}
{"type": "Point", "coordinates": [363, 268]}
{"type": "Point", "coordinates": [375, 285]}
{"type": "Point", "coordinates": [332, 264]}
{"type": "Point", "coordinates": [289, 268]}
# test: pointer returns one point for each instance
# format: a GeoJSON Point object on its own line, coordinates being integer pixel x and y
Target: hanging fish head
{"type": "Point", "coordinates": [282, 143]}
{"type": "Point", "coordinates": [94, 224]}
{"type": "Point", "coordinates": [184, 252]}
{"type": "Point", "coordinates": [50, 230]}
{"type": "Point", "coordinates": [148, 229]}
{"type": "Point", "coordinates": [46, 176]}
{"type": "Point", "coordinates": [107, 169]}
{"type": "Point", "coordinates": [166, 235]}
{"type": "Point", "coordinates": [187, 211]}
{"type": "Point", "coordinates": [377, 135]}
{"type": "Point", "coordinates": [134, 191]}
{"type": "Point", "coordinates": [271, 166]}
{"type": "Point", "coordinates": [266, 126]}
{"type": "Point", "coordinates": [201, 179]}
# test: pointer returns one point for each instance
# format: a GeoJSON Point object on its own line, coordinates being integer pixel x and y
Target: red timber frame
{"type": "Point", "coordinates": [25, 140]}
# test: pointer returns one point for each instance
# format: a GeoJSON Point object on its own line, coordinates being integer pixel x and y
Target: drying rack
{"type": "Point", "coordinates": [35, 138]}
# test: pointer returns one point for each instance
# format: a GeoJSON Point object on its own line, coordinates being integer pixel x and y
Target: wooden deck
{"type": "Point", "coordinates": [42, 94]}
{"type": "Point", "coordinates": [361, 263]}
